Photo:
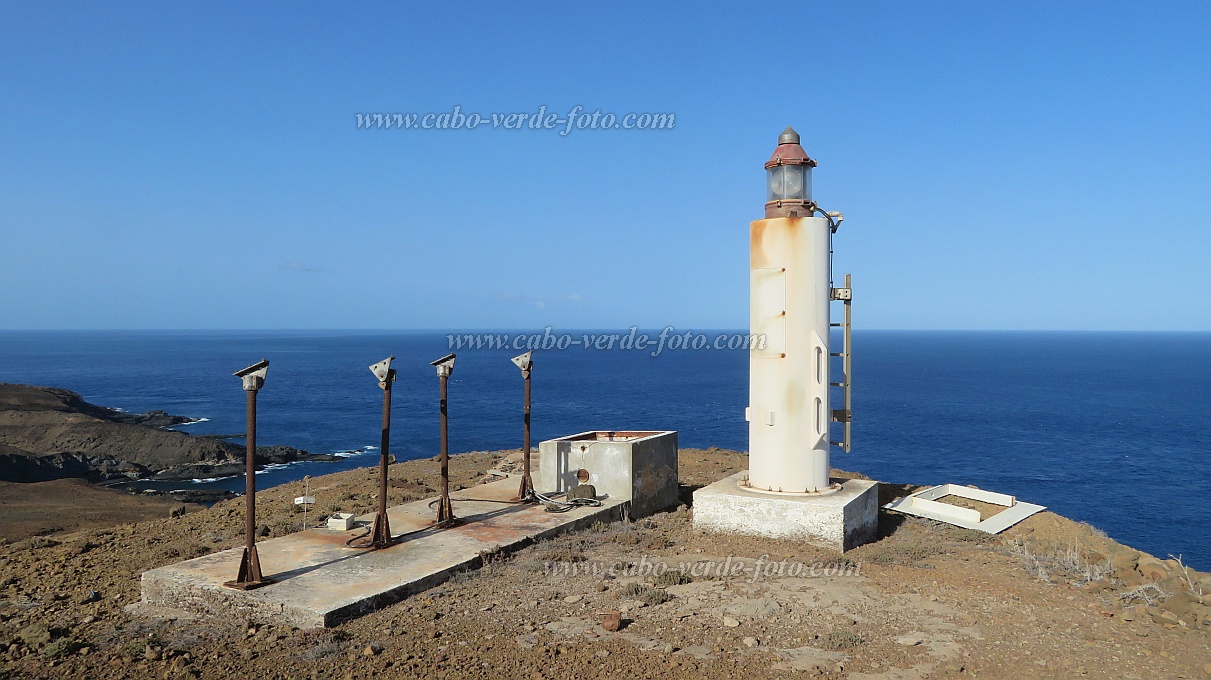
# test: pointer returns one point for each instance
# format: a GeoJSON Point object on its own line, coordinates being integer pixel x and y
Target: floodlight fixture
{"type": "Point", "coordinates": [524, 361]}
{"type": "Point", "coordinates": [254, 375]}
{"type": "Point", "coordinates": [383, 371]}
{"type": "Point", "coordinates": [445, 366]}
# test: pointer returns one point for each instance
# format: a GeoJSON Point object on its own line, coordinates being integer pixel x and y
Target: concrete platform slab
{"type": "Point", "coordinates": [842, 520]}
{"type": "Point", "coordinates": [320, 582]}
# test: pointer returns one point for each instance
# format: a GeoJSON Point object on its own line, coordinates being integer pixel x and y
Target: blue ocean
{"type": "Point", "coordinates": [1108, 428]}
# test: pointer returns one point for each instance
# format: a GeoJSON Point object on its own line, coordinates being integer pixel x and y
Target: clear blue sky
{"type": "Point", "coordinates": [1009, 165]}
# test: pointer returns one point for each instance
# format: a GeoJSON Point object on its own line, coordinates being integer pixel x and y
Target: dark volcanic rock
{"type": "Point", "coordinates": [201, 496]}
{"type": "Point", "coordinates": [50, 433]}
{"type": "Point", "coordinates": [159, 419]}
{"type": "Point", "coordinates": [31, 398]}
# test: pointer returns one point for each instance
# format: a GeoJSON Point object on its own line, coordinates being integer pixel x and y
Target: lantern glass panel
{"type": "Point", "coordinates": [787, 182]}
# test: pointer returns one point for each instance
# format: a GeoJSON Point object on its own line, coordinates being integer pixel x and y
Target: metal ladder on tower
{"type": "Point", "coordinates": [844, 295]}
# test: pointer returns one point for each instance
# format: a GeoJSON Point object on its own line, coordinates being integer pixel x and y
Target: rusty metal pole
{"type": "Point", "coordinates": [381, 532]}
{"type": "Point", "coordinates": [249, 576]}
{"type": "Point", "coordinates": [250, 492]}
{"type": "Point", "coordinates": [527, 484]}
{"type": "Point", "coordinates": [445, 512]}
{"type": "Point", "coordinates": [526, 363]}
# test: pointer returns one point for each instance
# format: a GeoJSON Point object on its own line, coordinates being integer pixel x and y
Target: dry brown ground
{"type": "Point", "coordinates": [1049, 598]}
{"type": "Point", "coordinates": [65, 505]}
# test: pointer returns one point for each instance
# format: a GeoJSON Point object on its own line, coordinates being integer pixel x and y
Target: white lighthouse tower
{"type": "Point", "coordinates": [787, 492]}
{"type": "Point", "coordinates": [790, 289]}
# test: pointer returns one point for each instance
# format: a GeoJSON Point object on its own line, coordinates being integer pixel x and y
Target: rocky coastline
{"type": "Point", "coordinates": [48, 433]}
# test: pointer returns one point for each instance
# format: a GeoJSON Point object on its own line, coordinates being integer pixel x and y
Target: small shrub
{"type": "Point", "coordinates": [60, 648]}
{"type": "Point", "coordinates": [1149, 594]}
{"type": "Point", "coordinates": [972, 536]}
{"type": "Point", "coordinates": [673, 577]}
{"type": "Point", "coordinates": [646, 594]}
{"type": "Point", "coordinates": [634, 589]}
{"type": "Point", "coordinates": [838, 640]}
{"type": "Point", "coordinates": [133, 649]}
{"type": "Point", "coordinates": [655, 596]}
{"type": "Point", "coordinates": [463, 576]}
{"type": "Point", "coordinates": [1184, 573]}
{"type": "Point", "coordinates": [907, 555]}
{"type": "Point", "coordinates": [1066, 562]}
{"type": "Point", "coordinates": [656, 543]}
{"type": "Point", "coordinates": [493, 556]}
{"type": "Point", "coordinates": [627, 538]}
{"type": "Point", "coordinates": [567, 548]}
{"type": "Point", "coordinates": [916, 553]}
{"type": "Point", "coordinates": [327, 643]}
{"type": "Point", "coordinates": [322, 650]}
{"type": "Point", "coordinates": [561, 553]}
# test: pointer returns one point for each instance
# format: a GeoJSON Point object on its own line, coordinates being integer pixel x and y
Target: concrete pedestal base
{"type": "Point", "coordinates": [841, 521]}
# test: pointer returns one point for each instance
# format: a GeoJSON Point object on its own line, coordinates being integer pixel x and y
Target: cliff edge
{"type": "Point", "coordinates": [50, 433]}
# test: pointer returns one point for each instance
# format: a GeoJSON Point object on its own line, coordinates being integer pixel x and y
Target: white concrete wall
{"type": "Point", "coordinates": [642, 470]}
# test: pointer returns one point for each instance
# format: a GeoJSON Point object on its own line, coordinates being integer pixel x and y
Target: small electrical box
{"type": "Point", "coordinates": [340, 521]}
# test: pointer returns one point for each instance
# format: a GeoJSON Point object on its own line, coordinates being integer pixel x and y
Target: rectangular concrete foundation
{"type": "Point", "coordinates": [842, 520]}
{"type": "Point", "coordinates": [320, 582]}
{"type": "Point", "coordinates": [635, 466]}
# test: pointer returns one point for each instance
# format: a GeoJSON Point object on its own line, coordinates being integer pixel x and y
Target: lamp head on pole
{"type": "Point", "coordinates": [525, 362]}
{"type": "Point", "coordinates": [445, 366]}
{"type": "Point", "coordinates": [788, 179]}
{"type": "Point", "coordinates": [383, 371]}
{"type": "Point", "coordinates": [253, 376]}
